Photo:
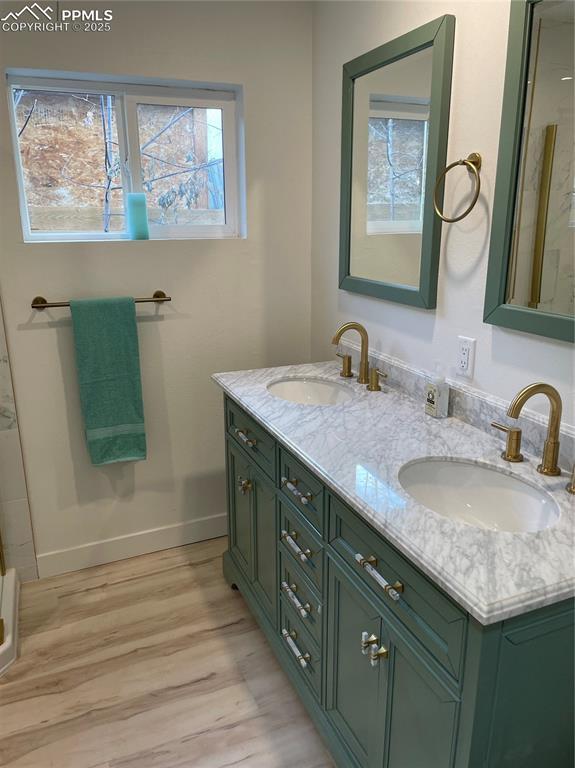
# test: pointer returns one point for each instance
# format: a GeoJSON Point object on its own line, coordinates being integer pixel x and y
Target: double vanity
{"type": "Point", "coordinates": [414, 579]}
{"type": "Point", "coordinates": [415, 586]}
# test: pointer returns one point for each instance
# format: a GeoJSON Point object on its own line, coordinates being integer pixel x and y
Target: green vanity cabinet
{"type": "Point", "coordinates": [521, 648]}
{"type": "Point", "coordinates": [356, 687]}
{"type": "Point", "coordinates": [253, 527]}
{"type": "Point", "coordinates": [240, 518]}
{"type": "Point", "coordinates": [423, 707]}
{"type": "Point", "coordinates": [265, 536]}
{"type": "Point", "coordinates": [382, 690]}
{"type": "Point", "coordinates": [431, 616]}
{"type": "Point", "coordinates": [392, 679]}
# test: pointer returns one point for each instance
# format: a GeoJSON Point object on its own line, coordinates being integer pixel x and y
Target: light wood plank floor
{"type": "Point", "coordinates": [152, 662]}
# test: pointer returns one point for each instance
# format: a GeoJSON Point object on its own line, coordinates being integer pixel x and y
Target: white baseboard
{"type": "Point", "coordinates": [9, 611]}
{"type": "Point", "coordinates": [130, 545]}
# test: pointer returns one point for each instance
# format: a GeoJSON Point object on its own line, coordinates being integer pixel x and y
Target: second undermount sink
{"type": "Point", "coordinates": [479, 495]}
{"type": "Point", "coordinates": [310, 391]}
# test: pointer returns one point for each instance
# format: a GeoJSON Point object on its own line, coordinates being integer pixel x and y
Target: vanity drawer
{"type": "Point", "coordinates": [247, 433]}
{"type": "Point", "coordinates": [302, 488]}
{"type": "Point", "coordinates": [300, 597]}
{"type": "Point", "coordinates": [298, 541]}
{"type": "Point", "coordinates": [430, 615]}
{"type": "Point", "coordinates": [301, 649]}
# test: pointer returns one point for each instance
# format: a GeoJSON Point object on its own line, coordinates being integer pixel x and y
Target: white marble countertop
{"type": "Point", "coordinates": [357, 449]}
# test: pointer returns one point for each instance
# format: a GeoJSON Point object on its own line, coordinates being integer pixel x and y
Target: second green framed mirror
{"type": "Point", "coordinates": [531, 272]}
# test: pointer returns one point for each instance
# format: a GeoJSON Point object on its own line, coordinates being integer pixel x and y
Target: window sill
{"type": "Point", "coordinates": [102, 240]}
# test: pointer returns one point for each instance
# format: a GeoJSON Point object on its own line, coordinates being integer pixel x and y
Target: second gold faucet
{"type": "Point", "coordinates": [549, 465]}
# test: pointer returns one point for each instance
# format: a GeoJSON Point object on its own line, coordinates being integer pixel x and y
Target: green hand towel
{"type": "Point", "coordinates": [108, 363]}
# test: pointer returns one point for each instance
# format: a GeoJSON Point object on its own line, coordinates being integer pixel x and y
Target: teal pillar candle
{"type": "Point", "coordinates": [137, 216]}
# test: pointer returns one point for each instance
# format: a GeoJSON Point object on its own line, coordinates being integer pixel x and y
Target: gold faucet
{"type": "Point", "coordinates": [548, 464]}
{"type": "Point", "coordinates": [363, 375]}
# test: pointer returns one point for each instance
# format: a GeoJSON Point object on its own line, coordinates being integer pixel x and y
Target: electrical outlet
{"type": "Point", "coordinates": [465, 357]}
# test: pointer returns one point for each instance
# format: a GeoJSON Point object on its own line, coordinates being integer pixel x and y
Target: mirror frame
{"type": "Point", "coordinates": [496, 311]}
{"type": "Point", "coordinates": [439, 35]}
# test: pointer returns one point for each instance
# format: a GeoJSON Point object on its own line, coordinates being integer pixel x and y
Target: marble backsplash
{"type": "Point", "coordinates": [470, 405]}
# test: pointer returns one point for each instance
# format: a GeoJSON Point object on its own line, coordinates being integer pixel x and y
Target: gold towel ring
{"type": "Point", "coordinates": [473, 164]}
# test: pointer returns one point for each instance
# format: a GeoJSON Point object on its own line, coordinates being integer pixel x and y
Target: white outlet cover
{"type": "Point", "coordinates": [465, 357]}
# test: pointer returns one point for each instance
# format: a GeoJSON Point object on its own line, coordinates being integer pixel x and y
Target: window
{"type": "Point", "coordinates": [396, 160]}
{"type": "Point", "coordinates": [81, 147]}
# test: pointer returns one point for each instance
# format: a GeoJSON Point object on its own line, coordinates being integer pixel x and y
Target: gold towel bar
{"type": "Point", "coordinates": [473, 164]}
{"type": "Point", "coordinates": [39, 302]}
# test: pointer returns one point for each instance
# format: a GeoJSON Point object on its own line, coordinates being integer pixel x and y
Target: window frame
{"type": "Point", "coordinates": [401, 108]}
{"type": "Point", "coordinates": [133, 161]}
{"type": "Point", "coordinates": [126, 97]}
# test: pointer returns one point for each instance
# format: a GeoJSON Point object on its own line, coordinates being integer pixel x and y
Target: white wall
{"type": "Point", "coordinates": [236, 303]}
{"type": "Point", "coordinates": [505, 360]}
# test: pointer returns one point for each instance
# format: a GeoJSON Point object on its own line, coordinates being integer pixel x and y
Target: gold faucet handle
{"type": "Point", "coordinates": [346, 371]}
{"type": "Point", "coordinates": [512, 450]}
{"type": "Point", "coordinates": [374, 374]}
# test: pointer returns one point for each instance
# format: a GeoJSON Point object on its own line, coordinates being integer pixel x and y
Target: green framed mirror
{"type": "Point", "coordinates": [531, 270]}
{"type": "Point", "coordinates": [395, 120]}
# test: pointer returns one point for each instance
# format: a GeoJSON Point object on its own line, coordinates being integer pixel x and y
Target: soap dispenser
{"type": "Point", "coordinates": [437, 394]}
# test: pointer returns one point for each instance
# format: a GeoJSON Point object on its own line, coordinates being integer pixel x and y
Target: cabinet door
{"type": "Point", "coordinates": [265, 544]}
{"type": "Point", "coordinates": [240, 486]}
{"type": "Point", "coordinates": [355, 701]}
{"type": "Point", "coordinates": [422, 709]}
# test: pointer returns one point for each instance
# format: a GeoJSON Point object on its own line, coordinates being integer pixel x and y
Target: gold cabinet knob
{"type": "Point", "coordinates": [244, 486]}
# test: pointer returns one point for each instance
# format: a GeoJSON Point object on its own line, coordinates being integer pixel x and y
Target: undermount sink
{"type": "Point", "coordinates": [310, 391]}
{"type": "Point", "coordinates": [479, 495]}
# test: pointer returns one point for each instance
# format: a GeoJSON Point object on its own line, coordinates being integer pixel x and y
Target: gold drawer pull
{"type": "Point", "coordinates": [291, 485]}
{"type": "Point", "coordinates": [303, 610]}
{"type": "Point", "coordinates": [289, 538]}
{"type": "Point", "coordinates": [303, 658]}
{"type": "Point", "coordinates": [369, 564]}
{"type": "Point", "coordinates": [248, 442]}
